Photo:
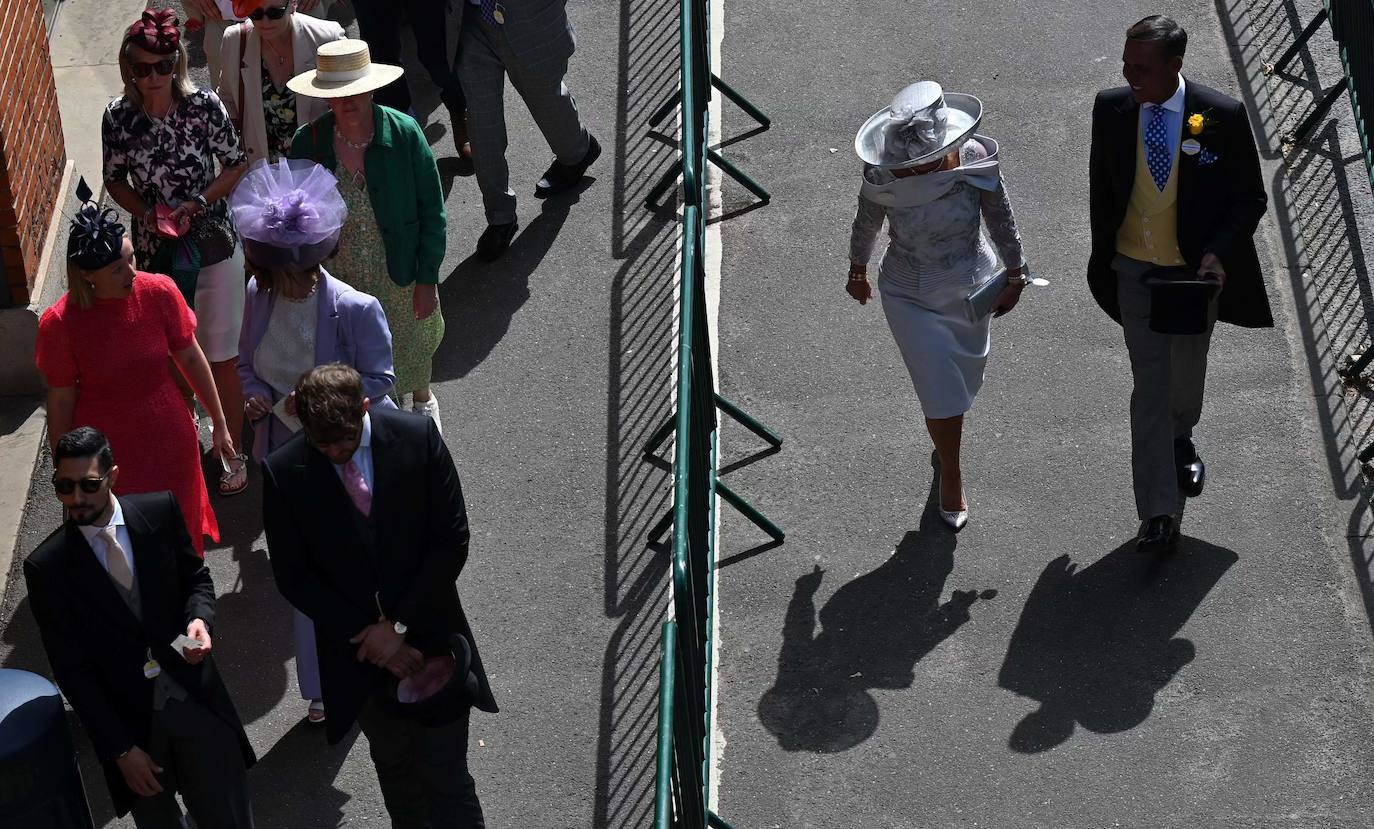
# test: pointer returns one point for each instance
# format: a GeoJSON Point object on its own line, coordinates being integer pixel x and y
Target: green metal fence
{"type": "Point", "coordinates": [683, 784]}
{"type": "Point", "coordinates": [1352, 28]}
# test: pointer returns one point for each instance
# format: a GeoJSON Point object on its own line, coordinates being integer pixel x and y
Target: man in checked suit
{"type": "Point", "coordinates": [530, 41]}
{"type": "Point", "coordinates": [112, 589]}
{"type": "Point", "coordinates": [1174, 180]}
{"type": "Point", "coordinates": [368, 532]}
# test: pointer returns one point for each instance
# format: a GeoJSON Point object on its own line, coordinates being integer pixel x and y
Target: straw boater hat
{"type": "Point", "coordinates": [920, 125]}
{"type": "Point", "coordinates": [343, 68]}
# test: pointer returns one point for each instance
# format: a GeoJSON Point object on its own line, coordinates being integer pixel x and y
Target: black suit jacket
{"type": "Point", "coordinates": [97, 647]}
{"type": "Point", "coordinates": [1219, 204]}
{"type": "Point", "coordinates": [336, 566]}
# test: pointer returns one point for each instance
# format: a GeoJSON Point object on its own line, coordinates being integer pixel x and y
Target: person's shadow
{"type": "Point", "coordinates": [1094, 646]}
{"type": "Point", "coordinates": [480, 299]}
{"type": "Point", "coordinates": [300, 771]}
{"type": "Point", "coordinates": [873, 632]}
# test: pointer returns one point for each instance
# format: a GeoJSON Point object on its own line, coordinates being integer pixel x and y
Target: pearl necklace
{"type": "Point", "coordinates": [367, 142]}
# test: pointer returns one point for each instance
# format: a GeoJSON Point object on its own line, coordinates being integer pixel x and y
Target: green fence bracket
{"type": "Point", "coordinates": [740, 101]}
{"type": "Point", "coordinates": [740, 416]}
{"type": "Point", "coordinates": [749, 511]}
{"type": "Point", "coordinates": [739, 175]}
{"type": "Point", "coordinates": [747, 420]}
{"type": "Point", "coordinates": [713, 819]}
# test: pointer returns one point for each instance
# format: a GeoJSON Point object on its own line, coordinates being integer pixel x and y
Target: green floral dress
{"type": "Point", "coordinates": [361, 262]}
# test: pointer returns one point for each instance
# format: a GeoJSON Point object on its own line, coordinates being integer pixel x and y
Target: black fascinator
{"type": "Point", "coordinates": [97, 236]}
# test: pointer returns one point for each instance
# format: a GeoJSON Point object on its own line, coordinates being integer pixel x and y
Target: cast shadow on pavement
{"type": "Point", "coordinates": [1095, 646]}
{"type": "Point", "coordinates": [311, 799]}
{"type": "Point", "coordinates": [479, 299]}
{"type": "Point", "coordinates": [873, 632]}
{"type": "Point", "coordinates": [1313, 193]}
{"type": "Point", "coordinates": [639, 397]}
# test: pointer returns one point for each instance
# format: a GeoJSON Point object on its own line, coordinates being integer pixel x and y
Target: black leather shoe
{"type": "Point", "coordinates": [560, 177]}
{"type": "Point", "coordinates": [1158, 535]}
{"type": "Point", "coordinates": [495, 239]}
{"type": "Point", "coordinates": [1192, 472]}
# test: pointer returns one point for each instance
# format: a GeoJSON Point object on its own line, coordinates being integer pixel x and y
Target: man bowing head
{"type": "Point", "coordinates": [1175, 196]}
{"type": "Point", "coordinates": [368, 532]}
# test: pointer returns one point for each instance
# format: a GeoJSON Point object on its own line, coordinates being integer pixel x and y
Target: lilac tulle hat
{"type": "Point", "coordinates": [288, 214]}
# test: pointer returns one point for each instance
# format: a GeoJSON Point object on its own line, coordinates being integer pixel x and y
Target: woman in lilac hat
{"type": "Point", "coordinates": [296, 317]}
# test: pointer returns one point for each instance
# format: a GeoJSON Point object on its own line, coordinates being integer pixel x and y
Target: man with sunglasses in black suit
{"type": "Point", "coordinates": [125, 608]}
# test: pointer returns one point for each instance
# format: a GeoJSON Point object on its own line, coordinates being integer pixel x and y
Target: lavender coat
{"type": "Point", "coordinates": [351, 329]}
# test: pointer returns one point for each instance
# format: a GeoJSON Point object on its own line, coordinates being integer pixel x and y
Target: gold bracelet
{"type": "Point", "coordinates": [858, 277]}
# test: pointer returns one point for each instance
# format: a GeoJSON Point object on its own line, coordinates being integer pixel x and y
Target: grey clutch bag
{"type": "Point", "coordinates": [983, 298]}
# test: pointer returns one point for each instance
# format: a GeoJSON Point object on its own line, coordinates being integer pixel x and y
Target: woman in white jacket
{"type": "Point", "coordinates": [271, 46]}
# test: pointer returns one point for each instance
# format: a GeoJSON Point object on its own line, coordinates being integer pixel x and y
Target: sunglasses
{"type": "Point", "coordinates": [90, 486]}
{"type": "Point", "coordinates": [271, 13]}
{"type": "Point", "coordinates": [143, 70]}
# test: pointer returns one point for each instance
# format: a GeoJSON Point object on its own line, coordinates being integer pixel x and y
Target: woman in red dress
{"type": "Point", "coordinates": [103, 348]}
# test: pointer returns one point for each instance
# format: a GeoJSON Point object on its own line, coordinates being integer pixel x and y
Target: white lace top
{"type": "Point", "coordinates": [287, 349]}
{"type": "Point", "coordinates": [941, 241]}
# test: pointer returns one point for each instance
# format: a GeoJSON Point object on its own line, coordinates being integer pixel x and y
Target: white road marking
{"type": "Point", "coordinates": [712, 262]}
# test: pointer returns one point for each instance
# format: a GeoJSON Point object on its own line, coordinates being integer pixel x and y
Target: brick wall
{"type": "Point", "coordinates": [32, 153]}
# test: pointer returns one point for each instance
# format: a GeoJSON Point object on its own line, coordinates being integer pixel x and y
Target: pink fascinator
{"type": "Point", "coordinates": [155, 31]}
{"type": "Point", "coordinates": [288, 214]}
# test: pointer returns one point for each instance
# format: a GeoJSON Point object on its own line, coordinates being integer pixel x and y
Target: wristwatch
{"type": "Point", "coordinates": [399, 627]}
{"type": "Point", "coordinates": [1022, 280]}
{"type": "Point", "coordinates": [200, 199]}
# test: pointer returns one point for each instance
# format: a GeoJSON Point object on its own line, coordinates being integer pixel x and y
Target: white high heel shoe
{"type": "Point", "coordinates": [957, 519]}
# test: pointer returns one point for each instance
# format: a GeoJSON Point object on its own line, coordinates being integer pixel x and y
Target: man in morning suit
{"type": "Point", "coordinates": [368, 532]}
{"type": "Point", "coordinates": [530, 42]}
{"type": "Point", "coordinates": [112, 588]}
{"type": "Point", "coordinates": [1174, 180]}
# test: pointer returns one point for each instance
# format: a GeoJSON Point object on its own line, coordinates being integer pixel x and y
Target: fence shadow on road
{"type": "Point", "coordinates": [1095, 646]}
{"type": "Point", "coordinates": [1313, 203]}
{"type": "Point", "coordinates": [874, 630]}
{"type": "Point", "coordinates": [639, 398]}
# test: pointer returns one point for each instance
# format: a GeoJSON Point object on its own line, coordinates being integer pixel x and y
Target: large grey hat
{"type": "Point", "coordinates": [920, 125]}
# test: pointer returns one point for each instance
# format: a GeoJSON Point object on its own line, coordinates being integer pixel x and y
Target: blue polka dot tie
{"type": "Point", "coordinates": [1157, 147]}
{"type": "Point", "coordinates": [489, 11]}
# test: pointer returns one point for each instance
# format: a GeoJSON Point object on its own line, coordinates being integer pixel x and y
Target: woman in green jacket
{"type": "Point", "coordinates": [392, 244]}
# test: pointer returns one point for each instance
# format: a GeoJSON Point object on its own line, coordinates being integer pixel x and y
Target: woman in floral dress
{"type": "Point", "coordinates": [162, 140]}
{"type": "Point", "coordinates": [276, 43]}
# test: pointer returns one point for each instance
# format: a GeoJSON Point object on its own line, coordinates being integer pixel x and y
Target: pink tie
{"type": "Point", "coordinates": [356, 485]}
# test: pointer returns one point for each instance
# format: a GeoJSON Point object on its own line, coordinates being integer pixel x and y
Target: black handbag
{"type": "Point", "coordinates": [208, 241]}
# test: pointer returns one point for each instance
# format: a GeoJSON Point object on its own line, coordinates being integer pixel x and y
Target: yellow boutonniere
{"type": "Point", "coordinates": [1195, 123]}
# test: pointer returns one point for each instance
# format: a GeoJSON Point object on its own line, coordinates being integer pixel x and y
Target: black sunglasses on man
{"type": "Point", "coordinates": [90, 486]}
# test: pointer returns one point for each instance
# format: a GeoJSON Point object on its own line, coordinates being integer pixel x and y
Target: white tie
{"type": "Point", "coordinates": [116, 563]}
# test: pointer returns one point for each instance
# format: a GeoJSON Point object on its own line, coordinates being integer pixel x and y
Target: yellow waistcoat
{"type": "Point", "coordinates": [1149, 232]}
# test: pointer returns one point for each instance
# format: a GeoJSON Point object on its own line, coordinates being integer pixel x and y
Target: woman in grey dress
{"type": "Point", "coordinates": [938, 185]}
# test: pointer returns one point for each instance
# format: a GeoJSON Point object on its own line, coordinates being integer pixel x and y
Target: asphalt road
{"type": "Point", "coordinates": [878, 671]}
{"type": "Point", "coordinates": [1065, 684]}
{"type": "Point", "coordinates": [555, 369]}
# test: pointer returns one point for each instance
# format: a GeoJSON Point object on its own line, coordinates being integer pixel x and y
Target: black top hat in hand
{"type": "Point", "coordinates": [442, 691]}
{"type": "Point", "coordinates": [1180, 300]}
